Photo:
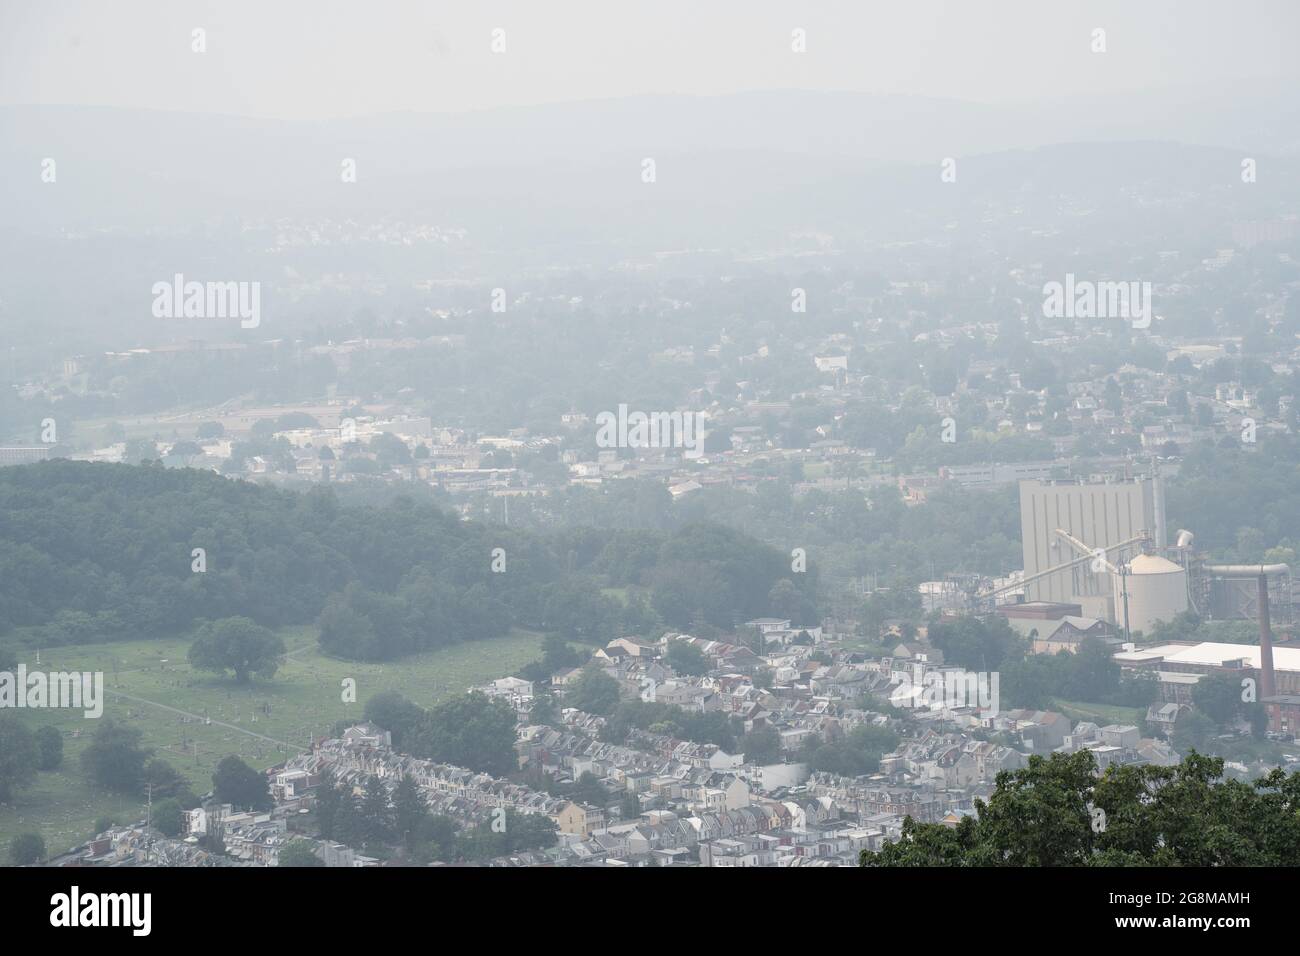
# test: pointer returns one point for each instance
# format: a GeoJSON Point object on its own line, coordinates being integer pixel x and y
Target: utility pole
{"type": "Point", "coordinates": [1123, 583]}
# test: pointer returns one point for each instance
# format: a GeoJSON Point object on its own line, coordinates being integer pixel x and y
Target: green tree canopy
{"type": "Point", "coordinates": [49, 743]}
{"type": "Point", "coordinates": [236, 783]}
{"type": "Point", "coordinates": [18, 755]}
{"type": "Point", "coordinates": [687, 659]}
{"type": "Point", "coordinates": [26, 849]}
{"type": "Point", "coordinates": [594, 692]}
{"type": "Point", "coordinates": [1059, 812]}
{"type": "Point", "coordinates": [115, 760]}
{"type": "Point", "coordinates": [299, 853]}
{"type": "Point", "coordinates": [168, 817]}
{"type": "Point", "coordinates": [469, 730]}
{"type": "Point", "coordinates": [237, 644]}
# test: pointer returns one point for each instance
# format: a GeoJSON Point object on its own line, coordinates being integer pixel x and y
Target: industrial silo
{"type": "Point", "coordinates": [1157, 591]}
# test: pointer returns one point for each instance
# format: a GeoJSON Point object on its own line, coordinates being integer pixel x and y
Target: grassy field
{"type": "Point", "coordinates": [305, 698]}
{"type": "Point", "coordinates": [1102, 714]}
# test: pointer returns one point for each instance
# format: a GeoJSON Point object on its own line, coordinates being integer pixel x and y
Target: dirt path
{"type": "Point", "coordinates": [205, 720]}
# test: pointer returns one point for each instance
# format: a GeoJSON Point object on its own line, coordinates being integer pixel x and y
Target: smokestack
{"type": "Point", "coordinates": [1265, 640]}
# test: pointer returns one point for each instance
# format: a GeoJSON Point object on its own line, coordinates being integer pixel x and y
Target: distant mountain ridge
{"type": "Point", "coordinates": [114, 164]}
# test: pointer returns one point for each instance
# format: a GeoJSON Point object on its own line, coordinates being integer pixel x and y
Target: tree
{"type": "Point", "coordinates": [588, 789]}
{"type": "Point", "coordinates": [1045, 815]}
{"type": "Point", "coordinates": [687, 659]}
{"type": "Point", "coordinates": [184, 449]}
{"type": "Point", "coordinates": [328, 802]}
{"type": "Point", "coordinates": [49, 743]}
{"type": "Point", "coordinates": [168, 817]}
{"type": "Point", "coordinates": [1258, 718]}
{"type": "Point", "coordinates": [299, 853]}
{"type": "Point", "coordinates": [873, 739]}
{"type": "Point", "coordinates": [115, 760]}
{"type": "Point", "coordinates": [544, 709]}
{"type": "Point", "coordinates": [521, 831]}
{"type": "Point", "coordinates": [140, 449]}
{"type": "Point", "coordinates": [239, 645]}
{"type": "Point", "coordinates": [376, 813]}
{"type": "Point", "coordinates": [1192, 731]}
{"type": "Point", "coordinates": [534, 671]}
{"type": "Point", "coordinates": [761, 746]}
{"type": "Point", "coordinates": [470, 730]}
{"type": "Point", "coordinates": [26, 849]}
{"type": "Point", "coordinates": [902, 602]}
{"type": "Point", "coordinates": [630, 806]}
{"type": "Point", "coordinates": [164, 780]}
{"type": "Point", "coordinates": [843, 759]}
{"type": "Point", "coordinates": [239, 785]}
{"type": "Point", "coordinates": [391, 711]}
{"type": "Point", "coordinates": [18, 756]}
{"type": "Point", "coordinates": [409, 811]}
{"type": "Point", "coordinates": [1091, 673]}
{"type": "Point", "coordinates": [557, 654]}
{"type": "Point", "coordinates": [785, 600]}
{"type": "Point", "coordinates": [210, 430]}
{"type": "Point", "coordinates": [975, 643]}
{"type": "Point", "coordinates": [594, 692]}
{"type": "Point", "coordinates": [436, 839]}
{"type": "Point", "coordinates": [1218, 696]}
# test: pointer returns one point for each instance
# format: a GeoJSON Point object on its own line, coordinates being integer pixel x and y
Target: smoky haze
{"type": "Point", "coordinates": [509, 138]}
{"type": "Point", "coordinates": [323, 60]}
{"type": "Point", "coordinates": [585, 433]}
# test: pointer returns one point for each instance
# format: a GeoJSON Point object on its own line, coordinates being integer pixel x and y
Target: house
{"type": "Point", "coordinates": [367, 736]}
{"type": "Point", "coordinates": [291, 786]}
{"type": "Point", "coordinates": [612, 653]}
{"type": "Point", "coordinates": [1120, 735]}
{"type": "Point", "coordinates": [1041, 731]}
{"type": "Point", "coordinates": [778, 775]}
{"type": "Point", "coordinates": [1157, 752]}
{"type": "Point", "coordinates": [1033, 619]}
{"type": "Point", "coordinates": [917, 651]}
{"type": "Point", "coordinates": [633, 647]}
{"type": "Point", "coordinates": [513, 690]}
{"type": "Point", "coordinates": [1084, 733]}
{"type": "Point", "coordinates": [1164, 716]}
{"type": "Point", "coordinates": [1069, 633]}
{"type": "Point", "coordinates": [688, 697]}
{"type": "Point", "coordinates": [580, 819]}
{"type": "Point", "coordinates": [721, 760]}
{"type": "Point", "coordinates": [736, 793]}
{"type": "Point", "coordinates": [566, 677]}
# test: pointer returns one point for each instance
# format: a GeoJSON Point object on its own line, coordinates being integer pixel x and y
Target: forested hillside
{"type": "Point", "coordinates": [96, 552]}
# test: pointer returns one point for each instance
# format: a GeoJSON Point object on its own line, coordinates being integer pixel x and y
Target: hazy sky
{"type": "Point", "coordinates": [326, 58]}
